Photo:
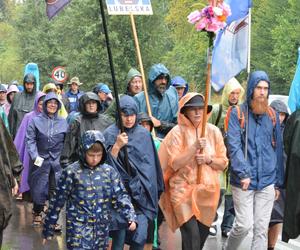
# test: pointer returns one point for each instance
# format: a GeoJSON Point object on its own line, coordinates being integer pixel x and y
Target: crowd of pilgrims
{"type": "Point", "coordinates": [74, 154]}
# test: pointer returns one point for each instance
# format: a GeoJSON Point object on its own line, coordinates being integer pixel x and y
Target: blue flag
{"type": "Point", "coordinates": [230, 51]}
{"type": "Point", "coordinates": [294, 95]}
{"type": "Point", "coordinates": [55, 6]}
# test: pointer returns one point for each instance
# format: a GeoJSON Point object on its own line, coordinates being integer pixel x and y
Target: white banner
{"type": "Point", "coordinates": [127, 7]}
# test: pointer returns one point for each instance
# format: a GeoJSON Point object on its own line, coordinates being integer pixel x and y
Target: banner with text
{"type": "Point", "coordinates": [127, 7]}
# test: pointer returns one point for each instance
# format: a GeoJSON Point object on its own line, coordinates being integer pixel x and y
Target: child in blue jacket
{"type": "Point", "coordinates": [91, 189]}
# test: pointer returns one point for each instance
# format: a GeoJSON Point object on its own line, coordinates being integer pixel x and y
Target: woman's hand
{"type": "Point", "coordinates": [203, 158]}
{"type": "Point", "coordinates": [122, 140]}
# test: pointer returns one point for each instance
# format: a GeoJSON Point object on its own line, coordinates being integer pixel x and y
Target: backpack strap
{"type": "Point", "coordinates": [219, 114]}
{"type": "Point", "coordinates": [240, 115]}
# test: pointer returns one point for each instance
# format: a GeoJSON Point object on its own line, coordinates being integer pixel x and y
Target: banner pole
{"type": "Point", "coordinates": [138, 51]}
{"type": "Point", "coordinates": [110, 58]}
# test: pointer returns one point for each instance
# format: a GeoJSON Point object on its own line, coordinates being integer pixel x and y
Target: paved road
{"type": "Point", "coordinates": [21, 235]}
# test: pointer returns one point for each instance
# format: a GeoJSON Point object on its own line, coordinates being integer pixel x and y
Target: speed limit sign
{"type": "Point", "coordinates": [59, 74]}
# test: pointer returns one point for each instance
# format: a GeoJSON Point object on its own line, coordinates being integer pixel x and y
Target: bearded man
{"type": "Point", "coordinates": [256, 172]}
{"type": "Point", "coordinates": [163, 100]}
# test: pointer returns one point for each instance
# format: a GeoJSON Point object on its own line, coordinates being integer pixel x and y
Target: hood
{"type": "Point", "coordinates": [182, 119]}
{"type": "Point", "coordinates": [11, 88]}
{"type": "Point", "coordinates": [49, 86]}
{"type": "Point", "coordinates": [88, 139]}
{"type": "Point", "coordinates": [33, 69]}
{"type": "Point", "coordinates": [131, 74]}
{"type": "Point", "coordinates": [144, 117]}
{"type": "Point", "coordinates": [3, 88]}
{"type": "Point", "coordinates": [179, 81]}
{"type": "Point", "coordinates": [254, 79]}
{"type": "Point", "coordinates": [38, 96]}
{"type": "Point", "coordinates": [230, 86]}
{"type": "Point", "coordinates": [49, 97]}
{"type": "Point", "coordinates": [29, 78]}
{"type": "Point", "coordinates": [280, 107]}
{"type": "Point", "coordinates": [155, 71]}
{"type": "Point", "coordinates": [84, 99]}
{"type": "Point", "coordinates": [128, 105]}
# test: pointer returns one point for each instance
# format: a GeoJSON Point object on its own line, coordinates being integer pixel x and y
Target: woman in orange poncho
{"type": "Point", "coordinates": [186, 204]}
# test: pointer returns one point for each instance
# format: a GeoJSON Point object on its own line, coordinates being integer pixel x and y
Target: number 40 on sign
{"type": "Point", "coordinates": [59, 74]}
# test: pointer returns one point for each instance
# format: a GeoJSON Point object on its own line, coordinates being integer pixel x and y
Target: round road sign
{"type": "Point", "coordinates": [59, 74]}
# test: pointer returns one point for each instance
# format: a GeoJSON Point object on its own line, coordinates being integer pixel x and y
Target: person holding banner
{"type": "Point", "coordinates": [187, 203]}
{"type": "Point", "coordinates": [163, 100]}
{"type": "Point", "coordinates": [142, 178]}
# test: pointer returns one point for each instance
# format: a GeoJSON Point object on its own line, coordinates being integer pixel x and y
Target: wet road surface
{"type": "Point", "coordinates": [21, 235]}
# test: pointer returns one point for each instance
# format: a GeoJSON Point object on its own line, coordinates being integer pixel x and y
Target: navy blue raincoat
{"type": "Point", "coordinates": [91, 195]}
{"type": "Point", "coordinates": [164, 106]}
{"type": "Point", "coordinates": [146, 181]}
{"type": "Point", "coordinates": [264, 164]}
{"type": "Point", "coordinates": [44, 138]}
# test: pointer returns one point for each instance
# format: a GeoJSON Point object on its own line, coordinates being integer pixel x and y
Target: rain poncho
{"type": "Point", "coordinates": [232, 85]}
{"type": "Point", "coordinates": [20, 143]}
{"type": "Point", "coordinates": [22, 104]}
{"type": "Point", "coordinates": [91, 195]}
{"type": "Point", "coordinates": [44, 138]}
{"type": "Point", "coordinates": [84, 122]}
{"type": "Point", "coordinates": [184, 197]}
{"type": "Point", "coordinates": [12, 88]}
{"type": "Point", "coordinates": [217, 119]}
{"type": "Point", "coordinates": [10, 167]}
{"type": "Point", "coordinates": [145, 183]}
{"type": "Point", "coordinates": [62, 112]}
{"type": "Point", "coordinates": [4, 118]}
{"type": "Point", "coordinates": [164, 107]}
{"type": "Point", "coordinates": [291, 218]}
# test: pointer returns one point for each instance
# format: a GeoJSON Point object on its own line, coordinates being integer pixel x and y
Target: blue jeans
{"type": "Point", "coordinates": [118, 241]}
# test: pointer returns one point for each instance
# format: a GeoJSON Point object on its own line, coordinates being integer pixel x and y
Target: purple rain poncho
{"type": "Point", "coordinates": [20, 143]}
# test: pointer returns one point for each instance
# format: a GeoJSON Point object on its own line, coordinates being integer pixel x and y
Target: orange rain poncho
{"type": "Point", "coordinates": [183, 196]}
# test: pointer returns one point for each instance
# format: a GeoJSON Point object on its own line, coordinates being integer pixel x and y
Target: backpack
{"type": "Point", "coordinates": [241, 116]}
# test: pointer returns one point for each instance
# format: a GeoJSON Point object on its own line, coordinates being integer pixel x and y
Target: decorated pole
{"type": "Point", "coordinates": [127, 165]}
{"type": "Point", "coordinates": [210, 19]}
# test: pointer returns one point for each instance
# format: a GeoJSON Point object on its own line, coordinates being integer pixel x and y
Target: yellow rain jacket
{"type": "Point", "coordinates": [183, 196]}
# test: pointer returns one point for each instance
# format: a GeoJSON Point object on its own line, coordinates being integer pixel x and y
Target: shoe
{"type": "Point", "coordinates": [213, 230]}
{"type": "Point", "coordinates": [37, 220]}
{"type": "Point", "coordinates": [225, 233]}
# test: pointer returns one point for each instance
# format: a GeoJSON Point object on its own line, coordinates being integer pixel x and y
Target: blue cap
{"type": "Point", "coordinates": [178, 81]}
{"type": "Point", "coordinates": [105, 89]}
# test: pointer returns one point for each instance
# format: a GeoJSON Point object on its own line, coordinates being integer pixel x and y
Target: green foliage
{"type": "Point", "coordinates": [75, 39]}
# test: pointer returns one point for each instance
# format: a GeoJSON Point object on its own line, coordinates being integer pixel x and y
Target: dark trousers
{"type": "Point", "coordinates": [228, 216]}
{"type": "Point", "coordinates": [1, 237]}
{"type": "Point", "coordinates": [118, 241]}
{"type": "Point", "coordinates": [193, 234]}
{"type": "Point", "coordinates": [38, 208]}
